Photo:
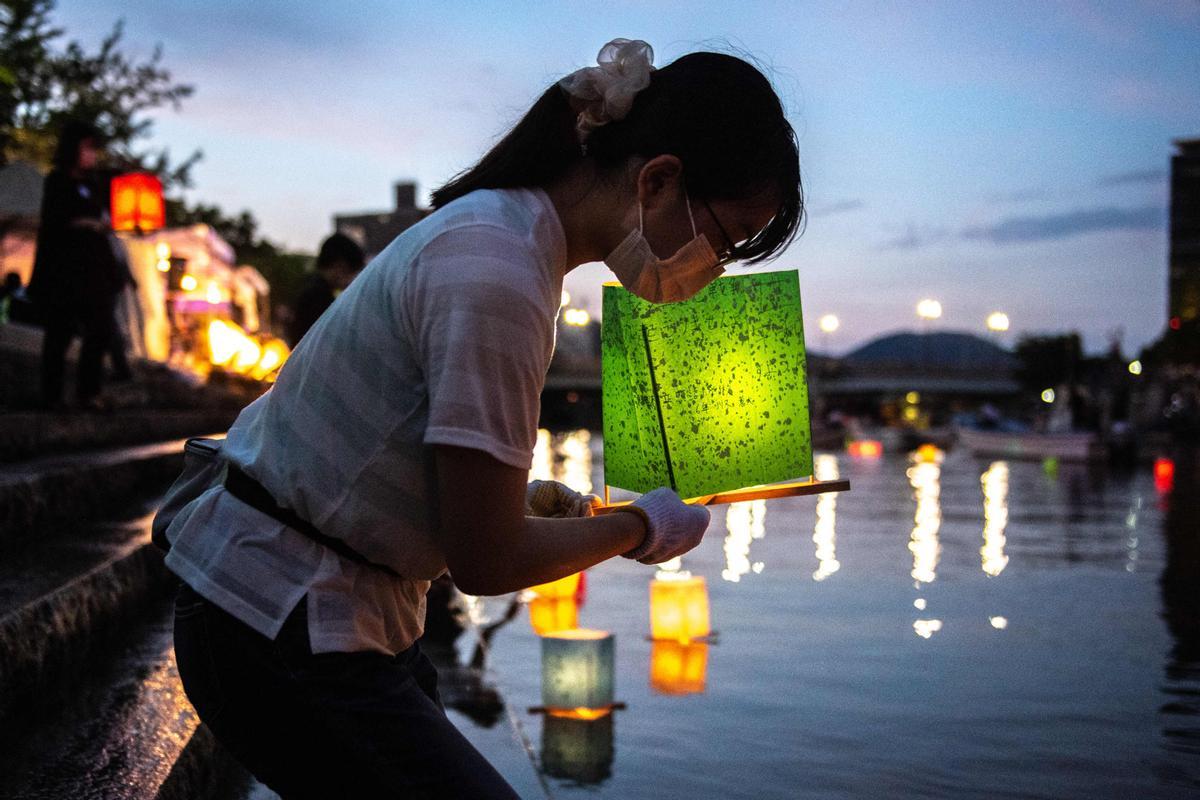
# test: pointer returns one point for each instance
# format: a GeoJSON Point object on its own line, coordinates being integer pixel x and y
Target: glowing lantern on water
{"type": "Point", "coordinates": [865, 448]}
{"type": "Point", "coordinates": [577, 671]}
{"type": "Point", "coordinates": [677, 668]}
{"type": "Point", "coordinates": [929, 454]}
{"type": "Point", "coordinates": [563, 587]}
{"type": "Point", "coordinates": [678, 607]}
{"type": "Point", "coordinates": [137, 203]}
{"type": "Point", "coordinates": [577, 749]}
{"type": "Point", "coordinates": [548, 615]}
{"type": "Point", "coordinates": [1164, 474]}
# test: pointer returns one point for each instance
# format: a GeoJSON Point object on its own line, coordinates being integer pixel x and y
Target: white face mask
{"type": "Point", "coordinates": [670, 280]}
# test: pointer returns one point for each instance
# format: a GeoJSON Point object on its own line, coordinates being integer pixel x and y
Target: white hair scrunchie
{"type": "Point", "coordinates": [606, 91]}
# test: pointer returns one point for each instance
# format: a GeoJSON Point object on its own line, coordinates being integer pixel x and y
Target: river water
{"type": "Point", "coordinates": [953, 628]}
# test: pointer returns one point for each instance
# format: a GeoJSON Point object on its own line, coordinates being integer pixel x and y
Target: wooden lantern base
{"type": "Point", "coordinates": [768, 491]}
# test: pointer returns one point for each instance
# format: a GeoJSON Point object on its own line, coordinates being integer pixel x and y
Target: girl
{"type": "Point", "coordinates": [397, 440]}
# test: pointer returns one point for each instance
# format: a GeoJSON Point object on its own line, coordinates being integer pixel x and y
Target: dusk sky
{"type": "Point", "coordinates": [1009, 156]}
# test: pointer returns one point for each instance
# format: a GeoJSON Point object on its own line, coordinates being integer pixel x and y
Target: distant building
{"type": "Point", "coordinates": [915, 377]}
{"type": "Point", "coordinates": [1184, 270]}
{"type": "Point", "coordinates": [376, 230]}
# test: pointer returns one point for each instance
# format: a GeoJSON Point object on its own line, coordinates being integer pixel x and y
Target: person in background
{"type": "Point", "coordinates": [338, 262]}
{"type": "Point", "coordinates": [76, 277]}
{"type": "Point", "coordinates": [13, 300]}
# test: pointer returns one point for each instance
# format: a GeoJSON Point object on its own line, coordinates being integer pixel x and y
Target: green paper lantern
{"type": "Point", "coordinates": [579, 750]}
{"type": "Point", "coordinates": [708, 395]}
{"type": "Point", "coordinates": [578, 670]}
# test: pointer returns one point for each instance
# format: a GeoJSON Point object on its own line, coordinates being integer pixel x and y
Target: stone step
{"type": "Point", "coordinates": [154, 386]}
{"type": "Point", "coordinates": [43, 497]}
{"type": "Point", "coordinates": [32, 434]}
{"type": "Point", "coordinates": [90, 700]}
{"type": "Point", "coordinates": [128, 732]}
{"type": "Point", "coordinates": [63, 602]}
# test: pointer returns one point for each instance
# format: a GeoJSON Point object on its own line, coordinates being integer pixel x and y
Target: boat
{"type": "Point", "coordinates": [1031, 445]}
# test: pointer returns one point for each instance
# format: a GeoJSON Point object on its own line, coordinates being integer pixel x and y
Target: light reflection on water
{"type": "Point", "coordinates": [825, 468]}
{"type": "Point", "coordinates": [995, 516]}
{"type": "Point", "coordinates": [745, 521]}
{"type": "Point", "coordinates": [923, 541]}
{"type": "Point", "coordinates": [1040, 664]}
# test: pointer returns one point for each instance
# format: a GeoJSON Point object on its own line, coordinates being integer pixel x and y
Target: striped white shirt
{"type": "Point", "coordinates": [444, 338]}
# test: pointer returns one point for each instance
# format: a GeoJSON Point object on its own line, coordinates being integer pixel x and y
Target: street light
{"type": "Point", "coordinates": [829, 323]}
{"type": "Point", "coordinates": [577, 316]}
{"type": "Point", "coordinates": [929, 309]}
{"type": "Point", "coordinates": [997, 322]}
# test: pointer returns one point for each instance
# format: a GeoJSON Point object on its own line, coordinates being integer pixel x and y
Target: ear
{"type": "Point", "coordinates": [659, 181]}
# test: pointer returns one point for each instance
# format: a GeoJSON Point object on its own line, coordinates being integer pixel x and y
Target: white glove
{"type": "Point", "coordinates": [553, 499]}
{"type": "Point", "coordinates": [672, 526]}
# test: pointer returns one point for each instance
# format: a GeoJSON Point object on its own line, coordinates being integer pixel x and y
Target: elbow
{"type": "Point", "coordinates": [481, 577]}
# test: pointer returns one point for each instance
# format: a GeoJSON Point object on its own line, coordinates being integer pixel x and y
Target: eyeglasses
{"type": "Point", "coordinates": [727, 254]}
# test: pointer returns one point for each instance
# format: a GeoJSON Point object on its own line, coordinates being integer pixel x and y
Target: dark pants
{"type": "Point", "coordinates": [95, 322]}
{"type": "Point", "coordinates": [327, 725]}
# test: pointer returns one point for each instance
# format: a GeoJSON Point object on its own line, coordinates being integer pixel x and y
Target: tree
{"type": "Point", "coordinates": [41, 86]}
{"type": "Point", "coordinates": [1048, 361]}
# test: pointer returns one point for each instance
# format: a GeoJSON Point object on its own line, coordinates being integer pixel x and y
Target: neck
{"type": "Point", "coordinates": [589, 209]}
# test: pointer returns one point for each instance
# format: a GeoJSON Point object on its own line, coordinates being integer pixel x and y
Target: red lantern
{"type": "Point", "coordinates": [865, 448]}
{"type": "Point", "coordinates": [1164, 474]}
{"type": "Point", "coordinates": [137, 203]}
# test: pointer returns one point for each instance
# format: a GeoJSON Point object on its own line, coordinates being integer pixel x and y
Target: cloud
{"type": "Point", "coordinates": [1011, 230]}
{"type": "Point", "coordinates": [1137, 176]}
{"type": "Point", "coordinates": [836, 208]}
{"type": "Point", "coordinates": [914, 238]}
{"type": "Point", "coordinates": [1020, 195]}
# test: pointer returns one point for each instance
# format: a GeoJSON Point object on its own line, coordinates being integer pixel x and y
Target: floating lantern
{"type": "Point", "coordinates": [865, 448]}
{"type": "Point", "coordinates": [577, 749]}
{"type": "Point", "coordinates": [548, 615]}
{"type": "Point", "coordinates": [677, 668]}
{"type": "Point", "coordinates": [678, 607]}
{"type": "Point", "coordinates": [577, 670]}
{"type": "Point", "coordinates": [929, 454]}
{"type": "Point", "coordinates": [137, 203]}
{"type": "Point", "coordinates": [563, 587]}
{"type": "Point", "coordinates": [1164, 474]}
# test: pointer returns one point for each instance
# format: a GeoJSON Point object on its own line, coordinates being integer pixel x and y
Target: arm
{"type": "Point", "coordinates": [492, 548]}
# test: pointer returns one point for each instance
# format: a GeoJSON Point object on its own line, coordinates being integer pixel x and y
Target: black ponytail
{"type": "Point", "coordinates": [717, 113]}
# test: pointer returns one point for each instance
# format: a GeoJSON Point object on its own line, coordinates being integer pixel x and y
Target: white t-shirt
{"type": "Point", "coordinates": [444, 338]}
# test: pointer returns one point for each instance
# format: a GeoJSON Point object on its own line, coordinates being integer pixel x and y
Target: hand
{"type": "Point", "coordinates": [553, 499]}
{"type": "Point", "coordinates": [672, 526]}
